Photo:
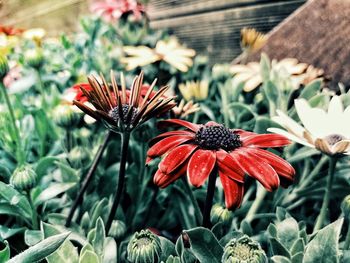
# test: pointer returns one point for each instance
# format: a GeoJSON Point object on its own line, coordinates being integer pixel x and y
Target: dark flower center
{"type": "Point", "coordinates": [216, 137]}
{"type": "Point", "coordinates": [334, 138]}
{"type": "Point", "coordinates": [114, 113]}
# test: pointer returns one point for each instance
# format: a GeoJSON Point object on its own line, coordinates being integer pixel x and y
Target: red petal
{"type": "Point", "coordinates": [170, 133]}
{"type": "Point", "coordinates": [242, 133]}
{"type": "Point", "coordinates": [229, 166]}
{"type": "Point", "coordinates": [176, 157]}
{"type": "Point", "coordinates": [233, 191]}
{"type": "Point", "coordinates": [212, 123]}
{"type": "Point", "coordinates": [163, 180]}
{"type": "Point", "coordinates": [188, 125]}
{"type": "Point", "coordinates": [166, 145]}
{"type": "Point", "coordinates": [257, 168]}
{"type": "Point", "coordinates": [281, 166]}
{"type": "Point", "coordinates": [148, 160]}
{"type": "Point", "coordinates": [265, 140]}
{"type": "Point", "coordinates": [200, 166]}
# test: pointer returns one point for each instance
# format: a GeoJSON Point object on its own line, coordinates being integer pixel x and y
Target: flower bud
{"type": "Point", "coordinates": [34, 58]}
{"type": "Point", "coordinates": [78, 156]}
{"type": "Point", "coordinates": [172, 259]}
{"type": "Point", "coordinates": [64, 116]}
{"type": "Point", "coordinates": [243, 250]}
{"type": "Point", "coordinates": [220, 214]}
{"type": "Point", "coordinates": [345, 207]}
{"type": "Point", "coordinates": [24, 178]}
{"type": "Point", "coordinates": [118, 229]}
{"type": "Point", "coordinates": [4, 67]}
{"type": "Point", "coordinates": [144, 247]}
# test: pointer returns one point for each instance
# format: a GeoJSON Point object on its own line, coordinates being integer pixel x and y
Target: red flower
{"type": "Point", "coordinates": [10, 31]}
{"type": "Point", "coordinates": [198, 149]}
{"type": "Point", "coordinates": [112, 10]}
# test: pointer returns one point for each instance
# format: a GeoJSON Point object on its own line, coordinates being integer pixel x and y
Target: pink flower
{"type": "Point", "coordinates": [112, 10]}
{"type": "Point", "coordinates": [13, 75]}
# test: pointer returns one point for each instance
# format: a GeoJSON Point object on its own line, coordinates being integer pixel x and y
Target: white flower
{"type": "Point", "coordinates": [328, 131]}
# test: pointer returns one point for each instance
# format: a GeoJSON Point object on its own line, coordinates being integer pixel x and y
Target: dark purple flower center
{"type": "Point", "coordinates": [334, 138]}
{"type": "Point", "coordinates": [128, 117]}
{"type": "Point", "coordinates": [217, 137]}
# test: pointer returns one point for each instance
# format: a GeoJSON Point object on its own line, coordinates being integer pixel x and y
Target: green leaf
{"type": "Point", "coordinates": [14, 198]}
{"type": "Point", "coordinates": [184, 253]}
{"type": "Point", "coordinates": [7, 209]}
{"type": "Point", "coordinates": [99, 239]}
{"type": "Point", "coordinates": [278, 248]}
{"type": "Point", "coordinates": [110, 254]}
{"type": "Point", "coordinates": [265, 67]}
{"type": "Point", "coordinates": [323, 248]}
{"type": "Point", "coordinates": [33, 237]}
{"type": "Point", "coordinates": [52, 191]}
{"type": "Point", "coordinates": [311, 89]}
{"type": "Point", "coordinates": [298, 246]}
{"type": "Point", "coordinates": [6, 232]}
{"type": "Point", "coordinates": [298, 258]}
{"type": "Point", "coordinates": [44, 164]}
{"type": "Point", "coordinates": [68, 173]}
{"type": "Point", "coordinates": [287, 232]}
{"type": "Point", "coordinates": [204, 245]}
{"type": "Point", "coordinates": [67, 253]}
{"type": "Point", "coordinates": [98, 211]}
{"type": "Point", "coordinates": [280, 259]}
{"type": "Point", "coordinates": [262, 124]}
{"type": "Point", "coordinates": [5, 253]}
{"type": "Point", "coordinates": [168, 248]}
{"type": "Point", "coordinates": [89, 257]}
{"type": "Point", "coordinates": [40, 250]}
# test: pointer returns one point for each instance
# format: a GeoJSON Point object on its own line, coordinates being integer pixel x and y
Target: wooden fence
{"type": "Point", "coordinates": [210, 26]}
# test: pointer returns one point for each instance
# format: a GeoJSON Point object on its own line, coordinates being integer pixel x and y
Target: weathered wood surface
{"type": "Point", "coordinates": [318, 34]}
{"type": "Point", "coordinates": [212, 27]}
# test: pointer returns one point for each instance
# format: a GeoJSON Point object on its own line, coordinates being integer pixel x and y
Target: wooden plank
{"type": "Point", "coordinates": [217, 34]}
{"type": "Point", "coordinates": [172, 8]}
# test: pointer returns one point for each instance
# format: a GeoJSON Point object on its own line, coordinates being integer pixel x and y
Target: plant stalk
{"type": "Point", "coordinates": [260, 196]}
{"type": "Point", "coordinates": [322, 216]}
{"type": "Point", "coordinates": [20, 153]}
{"type": "Point", "coordinates": [34, 213]}
{"type": "Point", "coordinates": [88, 177]}
{"type": "Point", "coordinates": [209, 198]}
{"type": "Point", "coordinates": [197, 210]}
{"type": "Point", "coordinates": [347, 239]}
{"type": "Point", "coordinates": [125, 137]}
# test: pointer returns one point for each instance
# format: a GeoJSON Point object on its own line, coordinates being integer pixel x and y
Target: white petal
{"type": "Point", "coordinates": [290, 136]}
{"type": "Point", "coordinates": [288, 123]}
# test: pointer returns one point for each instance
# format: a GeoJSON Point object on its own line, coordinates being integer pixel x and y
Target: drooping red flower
{"type": "Point", "coordinates": [112, 10]}
{"type": "Point", "coordinates": [197, 150]}
{"type": "Point", "coordinates": [10, 31]}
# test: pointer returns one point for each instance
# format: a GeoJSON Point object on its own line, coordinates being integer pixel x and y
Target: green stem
{"type": "Point", "coordinates": [260, 196]}
{"type": "Point", "coordinates": [42, 90]}
{"type": "Point", "coordinates": [20, 153]}
{"type": "Point", "coordinates": [347, 239]}
{"type": "Point", "coordinates": [197, 210]}
{"type": "Point", "coordinates": [322, 216]}
{"type": "Point", "coordinates": [224, 101]}
{"type": "Point", "coordinates": [88, 177]}
{"type": "Point", "coordinates": [125, 138]}
{"type": "Point", "coordinates": [314, 172]}
{"type": "Point", "coordinates": [196, 117]}
{"type": "Point", "coordinates": [209, 198]}
{"type": "Point", "coordinates": [34, 213]}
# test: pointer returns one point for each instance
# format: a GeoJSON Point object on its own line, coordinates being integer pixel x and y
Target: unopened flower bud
{"type": "Point", "coordinates": [220, 214]}
{"type": "Point", "coordinates": [172, 259]}
{"type": "Point", "coordinates": [78, 156]}
{"type": "Point", "coordinates": [144, 247]}
{"type": "Point", "coordinates": [85, 221]}
{"type": "Point", "coordinates": [345, 207]}
{"type": "Point", "coordinates": [24, 178]}
{"type": "Point", "coordinates": [34, 58]}
{"type": "Point", "coordinates": [118, 229]}
{"type": "Point", "coordinates": [4, 66]}
{"type": "Point", "coordinates": [65, 116]}
{"type": "Point", "coordinates": [243, 250]}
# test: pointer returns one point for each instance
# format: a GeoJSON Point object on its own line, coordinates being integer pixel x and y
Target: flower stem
{"type": "Point", "coordinates": [209, 198]}
{"type": "Point", "coordinates": [125, 137]}
{"type": "Point", "coordinates": [347, 239]}
{"type": "Point", "coordinates": [197, 210]}
{"type": "Point", "coordinates": [260, 196]}
{"type": "Point", "coordinates": [88, 177]}
{"type": "Point", "coordinates": [20, 153]}
{"type": "Point", "coordinates": [322, 216]}
{"type": "Point", "coordinates": [34, 213]}
{"type": "Point", "coordinates": [42, 90]}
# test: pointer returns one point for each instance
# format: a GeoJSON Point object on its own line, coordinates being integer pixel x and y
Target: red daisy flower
{"type": "Point", "coordinates": [197, 150]}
